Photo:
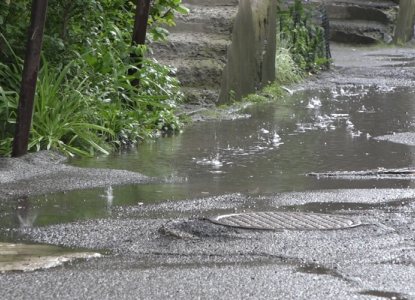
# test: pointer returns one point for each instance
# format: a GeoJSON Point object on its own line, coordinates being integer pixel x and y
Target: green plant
{"type": "Point", "coordinates": [286, 69]}
{"type": "Point", "coordinates": [131, 113]}
{"type": "Point", "coordinates": [13, 28]}
{"type": "Point", "coordinates": [232, 97]}
{"type": "Point", "coordinates": [273, 90]}
{"type": "Point", "coordinates": [59, 119]}
{"type": "Point", "coordinates": [162, 12]}
{"type": "Point", "coordinates": [255, 98]}
{"type": "Point", "coordinates": [8, 108]}
{"type": "Point", "coordinates": [10, 71]}
{"type": "Point", "coordinates": [84, 100]}
{"type": "Point", "coordinates": [307, 43]}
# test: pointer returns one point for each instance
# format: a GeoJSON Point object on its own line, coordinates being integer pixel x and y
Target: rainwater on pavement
{"type": "Point", "coordinates": [266, 153]}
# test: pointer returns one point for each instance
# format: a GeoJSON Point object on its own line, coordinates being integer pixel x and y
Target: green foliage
{"type": "Point", "coordinates": [10, 71]}
{"type": "Point", "coordinates": [70, 23]}
{"type": "Point", "coordinates": [59, 119]}
{"type": "Point", "coordinates": [8, 107]}
{"type": "Point", "coordinates": [85, 101]}
{"type": "Point", "coordinates": [286, 68]}
{"type": "Point", "coordinates": [306, 40]}
{"type": "Point", "coordinates": [273, 90]}
{"type": "Point", "coordinates": [162, 12]}
{"type": "Point", "coordinates": [256, 98]}
{"type": "Point", "coordinates": [14, 20]}
{"type": "Point", "coordinates": [232, 97]}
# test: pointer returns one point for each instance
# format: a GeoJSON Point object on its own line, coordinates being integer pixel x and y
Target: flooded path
{"type": "Point", "coordinates": [266, 153]}
{"type": "Point", "coordinates": [157, 241]}
{"type": "Point", "coordinates": [311, 131]}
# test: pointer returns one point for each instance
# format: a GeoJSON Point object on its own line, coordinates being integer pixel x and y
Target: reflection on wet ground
{"type": "Point", "coordinates": [317, 269]}
{"type": "Point", "coordinates": [345, 207]}
{"type": "Point", "coordinates": [396, 60]}
{"type": "Point", "coordinates": [310, 131]}
{"type": "Point", "coordinates": [24, 257]}
{"type": "Point", "coordinates": [388, 295]}
{"type": "Point", "coordinates": [381, 173]}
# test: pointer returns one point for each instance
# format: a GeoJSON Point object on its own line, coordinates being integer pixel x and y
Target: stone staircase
{"type": "Point", "coordinates": [197, 47]}
{"type": "Point", "coordinates": [362, 22]}
{"type": "Point", "coordinates": [222, 50]}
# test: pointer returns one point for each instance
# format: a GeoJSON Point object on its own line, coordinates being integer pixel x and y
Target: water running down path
{"type": "Point", "coordinates": [164, 248]}
{"type": "Point", "coordinates": [267, 153]}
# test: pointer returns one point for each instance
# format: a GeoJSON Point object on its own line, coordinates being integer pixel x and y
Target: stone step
{"type": "Point", "coordinates": [380, 4]}
{"type": "Point", "coordinates": [358, 31]}
{"type": "Point", "coordinates": [197, 72]}
{"type": "Point", "coordinates": [219, 20]}
{"type": "Point", "coordinates": [205, 96]}
{"type": "Point", "coordinates": [199, 46]}
{"type": "Point", "coordinates": [358, 12]}
{"type": "Point", "coordinates": [210, 2]}
{"type": "Point", "coordinates": [196, 45]}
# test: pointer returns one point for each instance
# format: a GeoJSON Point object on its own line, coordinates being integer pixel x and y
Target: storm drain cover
{"type": "Point", "coordinates": [286, 221]}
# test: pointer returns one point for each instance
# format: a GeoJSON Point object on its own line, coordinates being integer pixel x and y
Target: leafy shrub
{"type": "Point", "coordinates": [286, 69]}
{"type": "Point", "coordinates": [59, 119]}
{"type": "Point", "coordinates": [84, 100]}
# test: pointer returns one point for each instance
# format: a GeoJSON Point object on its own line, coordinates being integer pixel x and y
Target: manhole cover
{"type": "Point", "coordinates": [286, 221]}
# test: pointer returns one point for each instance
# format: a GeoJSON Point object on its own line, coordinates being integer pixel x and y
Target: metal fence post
{"type": "Point", "coordinates": [29, 78]}
{"type": "Point", "coordinates": [140, 29]}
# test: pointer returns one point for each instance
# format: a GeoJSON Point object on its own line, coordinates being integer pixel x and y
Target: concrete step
{"type": "Point", "coordinates": [380, 4]}
{"type": "Point", "coordinates": [198, 45]}
{"type": "Point", "coordinates": [199, 73]}
{"type": "Point", "coordinates": [358, 12]}
{"type": "Point", "coordinates": [358, 31]}
{"type": "Point", "coordinates": [219, 20]}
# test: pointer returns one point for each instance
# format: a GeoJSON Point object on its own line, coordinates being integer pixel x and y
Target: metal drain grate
{"type": "Point", "coordinates": [286, 221]}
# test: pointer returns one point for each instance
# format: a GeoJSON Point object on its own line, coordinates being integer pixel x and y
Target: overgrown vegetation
{"type": "Point", "coordinates": [299, 32]}
{"type": "Point", "coordinates": [84, 100]}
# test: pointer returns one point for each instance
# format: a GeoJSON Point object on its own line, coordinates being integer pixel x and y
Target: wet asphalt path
{"type": "Point", "coordinates": [169, 251]}
{"type": "Point", "coordinates": [189, 258]}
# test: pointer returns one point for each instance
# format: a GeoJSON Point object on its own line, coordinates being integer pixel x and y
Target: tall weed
{"type": "Point", "coordinates": [10, 72]}
{"type": "Point", "coordinates": [305, 37]}
{"type": "Point", "coordinates": [8, 108]}
{"type": "Point", "coordinates": [59, 118]}
{"type": "Point", "coordinates": [286, 69]}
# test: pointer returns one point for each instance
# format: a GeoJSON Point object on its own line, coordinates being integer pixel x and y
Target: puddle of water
{"type": "Point", "coordinates": [402, 59]}
{"type": "Point", "coordinates": [319, 270]}
{"type": "Point", "coordinates": [25, 257]}
{"type": "Point", "coordinates": [311, 131]}
{"type": "Point", "coordinates": [387, 55]}
{"type": "Point", "coordinates": [333, 207]}
{"type": "Point", "coordinates": [383, 294]}
{"type": "Point", "coordinates": [396, 60]}
{"type": "Point", "coordinates": [408, 64]}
